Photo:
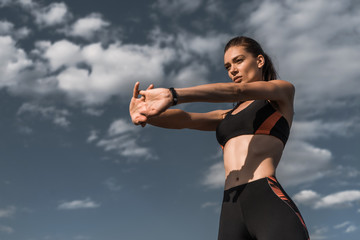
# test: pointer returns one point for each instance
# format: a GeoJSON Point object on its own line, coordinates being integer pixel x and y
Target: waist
{"type": "Point", "coordinates": [248, 158]}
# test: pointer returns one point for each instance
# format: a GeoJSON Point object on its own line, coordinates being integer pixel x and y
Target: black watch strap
{"type": "Point", "coordinates": [174, 94]}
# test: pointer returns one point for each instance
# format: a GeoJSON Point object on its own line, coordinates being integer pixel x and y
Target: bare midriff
{"type": "Point", "coordinates": [251, 157]}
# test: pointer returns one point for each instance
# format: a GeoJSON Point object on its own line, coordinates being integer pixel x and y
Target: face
{"type": "Point", "coordinates": [242, 66]}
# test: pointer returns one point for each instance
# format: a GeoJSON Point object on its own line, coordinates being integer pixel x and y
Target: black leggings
{"type": "Point", "coordinates": [260, 210]}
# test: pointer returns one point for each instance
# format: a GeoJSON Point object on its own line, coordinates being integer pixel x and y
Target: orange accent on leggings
{"type": "Point", "coordinates": [275, 187]}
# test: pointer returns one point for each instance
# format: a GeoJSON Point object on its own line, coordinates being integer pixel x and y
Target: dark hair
{"type": "Point", "coordinates": [253, 47]}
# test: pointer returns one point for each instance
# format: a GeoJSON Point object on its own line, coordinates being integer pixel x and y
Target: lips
{"type": "Point", "coordinates": [237, 79]}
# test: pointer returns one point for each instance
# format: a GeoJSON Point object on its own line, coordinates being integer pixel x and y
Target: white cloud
{"type": "Point", "coordinates": [57, 116]}
{"type": "Point", "coordinates": [7, 212]}
{"type": "Point", "coordinates": [78, 204]}
{"type": "Point", "coordinates": [12, 62]}
{"type": "Point", "coordinates": [215, 176]}
{"type": "Point", "coordinates": [86, 27]}
{"type": "Point", "coordinates": [216, 8]}
{"type": "Point", "coordinates": [61, 53]}
{"type": "Point", "coordinates": [93, 136]}
{"type": "Point", "coordinates": [114, 70]}
{"type": "Point", "coordinates": [112, 184]}
{"type": "Point", "coordinates": [121, 126]}
{"type": "Point", "coordinates": [209, 204]}
{"type": "Point", "coordinates": [175, 7]}
{"type": "Point", "coordinates": [339, 199]}
{"type": "Point", "coordinates": [125, 145]}
{"type": "Point", "coordinates": [319, 233]}
{"type": "Point", "coordinates": [4, 3]}
{"type": "Point", "coordinates": [93, 111]}
{"type": "Point", "coordinates": [314, 42]}
{"type": "Point", "coordinates": [216, 206]}
{"type": "Point", "coordinates": [19, 74]}
{"type": "Point", "coordinates": [307, 197]}
{"type": "Point", "coordinates": [27, 3]}
{"type": "Point", "coordinates": [7, 28]}
{"type": "Point", "coordinates": [190, 46]}
{"type": "Point", "coordinates": [122, 138]}
{"type": "Point", "coordinates": [6, 229]}
{"type": "Point", "coordinates": [53, 14]}
{"type": "Point", "coordinates": [349, 226]}
{"type": "Point", "coordinates": [335, 200]}
{"type": "Point", "coordinates": [314, 129]}
{"type": "Point", "coordinates": [302, 162]}
{"type": "Point", "coordinates": [194, 74]}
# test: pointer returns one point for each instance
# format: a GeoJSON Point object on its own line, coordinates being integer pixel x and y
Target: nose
{"type": "Point", "coordinates": [233, 70]}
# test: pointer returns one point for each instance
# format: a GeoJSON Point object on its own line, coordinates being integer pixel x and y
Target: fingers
{"type": "Point", "coordinates": [142, 92]}
{"type": "Point", "coordinates": [140, 120]}
{"type": "Point", "coordinates": [151, 86]}
{"type": "Point", "coordinates": [136, 90]}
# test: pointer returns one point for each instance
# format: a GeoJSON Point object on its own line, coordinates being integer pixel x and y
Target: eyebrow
{"type": "Point", "coordinates": [233, 59]}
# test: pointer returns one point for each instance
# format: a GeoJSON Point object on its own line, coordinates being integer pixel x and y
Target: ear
{"type": "Point", "coordinates": [260, 61]}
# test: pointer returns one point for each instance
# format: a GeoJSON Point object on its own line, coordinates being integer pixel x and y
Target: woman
{"type": "Point", "coordinates": [252, 134]}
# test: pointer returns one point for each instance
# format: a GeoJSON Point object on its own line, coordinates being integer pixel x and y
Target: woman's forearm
{"type": "Point", "coordinates": [171, 118]}
{"type": "Point", "coordinates": [215, 92]}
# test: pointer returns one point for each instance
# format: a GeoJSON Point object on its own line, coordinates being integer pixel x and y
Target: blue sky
{"type": "Point", "coordinates": [73, 167]}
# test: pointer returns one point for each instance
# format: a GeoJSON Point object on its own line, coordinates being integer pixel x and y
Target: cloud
{"type": "Point", "coordinates": [61, 53]}
{"type": "Point", "coordinates": [191, 47]}
{"type": "Point", "coordinates": [302, 163]}
{"type": "Point", "coordinates": [93, 111]}
{"type": "Point", "coordinates": [86, 27]}
{"type": "Point", "coordinates": [186, 75]}
{"type": "Point", "coordinates": [216, 206]}
{"type": "Point", "coordinates": [93, 136]}
{"type": "Point", "coordinates": [114, 70]}
{"type": "Point", "coordinates": [315, 129]}
{"type": "Point", "coordinates": [78, 204]}
{"type": "Point", "coordinates": [313, 41]}
{"type": "Point", "coordinates": [349, 226]}
{"type": "Point", "coordinates": [45, 16]}
{"type": "Point", "coordinates": [122, 138]}
{"type": "Point", "coordinates": [7, 212]}
{"type": "Point", "coordinates": [53, 14]}
{"type": "Point", "coordinates": [57, 116]}
{"type": "Point", "coordinates": [4, 3]}
{"type": "Point", "coordinates": [12, 62]}
{"type": "Point", "coordinates": [176, 7]}
{"type": "Point", "coordinates": [335, 200]}
{"type": "Point", "coordinates": [27, 3]}
{"type": "Point", "coordinates": [87, 74]}
{"type": "Point", "coordinates": [215, 176]}
{"type": "Point", "coordinates": [6, 229]}
{"type": "Point", "coordinates": [319, 233]}
{"type": "Point", "coordinates": [7, 28]}
{"type": "Point", "coordinates": [112, 185]}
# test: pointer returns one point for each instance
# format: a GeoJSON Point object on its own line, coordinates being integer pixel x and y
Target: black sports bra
{"type": "Point", "coordinates": [259, 117]}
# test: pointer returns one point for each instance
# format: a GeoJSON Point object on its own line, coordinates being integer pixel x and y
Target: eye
{"type": "Point", "coordinates": [239, 60]}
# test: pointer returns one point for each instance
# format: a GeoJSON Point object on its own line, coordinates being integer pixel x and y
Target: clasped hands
{"type": "Point", "coordinates": [148, 103]}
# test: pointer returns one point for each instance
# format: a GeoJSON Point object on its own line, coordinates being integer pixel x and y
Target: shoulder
{"type": "Point", "coordinates": [283, 84]}
{"type": "Point", "coordinates": [287, 89]}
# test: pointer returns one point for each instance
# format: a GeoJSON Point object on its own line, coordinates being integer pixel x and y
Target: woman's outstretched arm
{"type": "Point", "coordinates": [179, 119]}
{"type": "Point", "coordinates": [159, 99]}
{"type": "Point", "coordinates": [172, 118]}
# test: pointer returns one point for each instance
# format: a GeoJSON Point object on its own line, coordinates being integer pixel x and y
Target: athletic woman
{"type": "Point", "coordinates": [253, 135]}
